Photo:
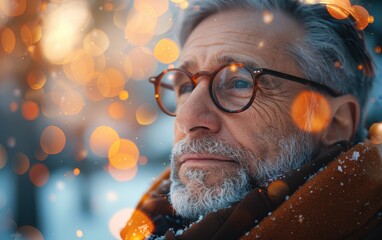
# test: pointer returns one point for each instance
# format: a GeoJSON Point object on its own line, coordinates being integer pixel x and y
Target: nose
{"type": "Point", "coordinates": [198, 115]}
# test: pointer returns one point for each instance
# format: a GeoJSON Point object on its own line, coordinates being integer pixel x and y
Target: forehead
{"type": "Point", "coordinates": [246, 35]}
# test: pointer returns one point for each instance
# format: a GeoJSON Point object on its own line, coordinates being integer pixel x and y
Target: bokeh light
{"type": "Point", "coordinates": [116, 110]}
{"type": "Point", "coordinates": [361, 16]}
{"type": "Point", "coordinates": [166, 51]}
{"type": "Point", "coordinates": [375, 133]}
{"type": "Point", "coordinates": [30, 110]}
{"type": "Point", "coordinates": [146, 114]}
{"type": "Point", "coordinates": [52, 140]}
{"type": "Point", "coordinates": [96, 42]}
{"type": "Point", "coordinates": [118, 221]}
{"type": "Point", "coordinates": [140, 27]}
{"type": "Point", "coordinates": [36, 79]}
{"type": "Point", "coordinates": [76, 171]}
{"type": "Point", "coordinates": [110, 82]}
{"type": "Point", "coordinates": [135, 230]}
{"type": "Point", "coordinates": [8, 40]}
{"type": "Point", "coordinates": [34, 6]}
{"type": "Point", "coordinates": [79, 233]}
{"type": "Point", "coordinates": [3, 156]}
{"type": "Point", "coordinates": [79, 67]}
{"type": "Point", "coordinates": [39, 174]}
{"type": "Point", "coordinates": [123, 154]}
{"type": "Point", "coordinates": [311, 111]}
{"type": "Point", "coordinates": [13, 106]}
{"type": "Point", "coordinates": [122, 175]}
{"type": "Point", "coordinates": [31, 33]}
{"type": "Point", "coordinates": [267, 17]}
{"type": "Point", "coordinates": [101, 140]}
{"type": "Point", "coordinates": [71, 103]}
{"type": "Point", "coordinates": [155, 7]}
{"type": "Point", "coordinates": [50, 104]}
{"type": "Point", "coordinates": [123, 95]}
{"type": "Point", "coordinates": [339, 9]}
{"type": "Point", "coordinates": [20, 163]}
{"type": "Point", "coordinates": [28, 233]}
{"type": "Point", "coordinates": [63, 29]}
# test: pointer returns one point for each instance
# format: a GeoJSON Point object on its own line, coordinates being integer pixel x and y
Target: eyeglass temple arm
{"type": "Point", "coordinates": [164, 85]}
{"type": "Point", "coordinates": [301, 80]}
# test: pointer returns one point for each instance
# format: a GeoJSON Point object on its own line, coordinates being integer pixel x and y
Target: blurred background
{"type": "Point", "coordinates": [81, 137]}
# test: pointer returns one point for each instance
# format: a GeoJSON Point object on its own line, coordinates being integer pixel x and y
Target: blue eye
{"type": "Point", "coordinates": [185, 88]}
{"type": "Point", "coordinates": [242, 84]}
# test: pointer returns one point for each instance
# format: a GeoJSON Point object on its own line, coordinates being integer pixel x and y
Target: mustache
{"type": "Point", "coordinates": [208, 145]}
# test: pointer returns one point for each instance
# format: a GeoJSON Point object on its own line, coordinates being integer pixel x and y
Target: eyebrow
{"type": "Point", "coordinates": [221, 60]}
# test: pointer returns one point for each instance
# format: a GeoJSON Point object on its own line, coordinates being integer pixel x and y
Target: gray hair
{"type": "Point", "coordinates": [332, 53]}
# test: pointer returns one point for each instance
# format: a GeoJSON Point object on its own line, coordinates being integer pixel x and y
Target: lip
{"type": "Point", "coordinates": [204, 159]}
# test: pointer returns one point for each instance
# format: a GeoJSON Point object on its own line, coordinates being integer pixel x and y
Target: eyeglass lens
{"type": "Point", "coordinates": [232, 88]}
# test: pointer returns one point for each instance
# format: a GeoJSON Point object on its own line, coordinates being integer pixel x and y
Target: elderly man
{"type": "Point", "coordinates": [268, 100]}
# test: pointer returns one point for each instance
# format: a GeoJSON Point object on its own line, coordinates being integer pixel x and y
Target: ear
{"type": "Point", "coordinates": [345, 120]}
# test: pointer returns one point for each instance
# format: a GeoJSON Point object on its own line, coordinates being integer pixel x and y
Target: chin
{"type": "Point", "coordinates": [204, 190]}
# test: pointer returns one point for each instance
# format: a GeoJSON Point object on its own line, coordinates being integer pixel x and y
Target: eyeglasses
{"type": "Point", "coordinates": [232, 87]}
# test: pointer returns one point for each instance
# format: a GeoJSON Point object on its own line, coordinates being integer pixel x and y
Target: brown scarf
{"type": "Point", "coordinates": [344, 200]}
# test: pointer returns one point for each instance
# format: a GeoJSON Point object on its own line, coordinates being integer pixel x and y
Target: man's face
{"type": "Point", "coordinates": [243, 143]}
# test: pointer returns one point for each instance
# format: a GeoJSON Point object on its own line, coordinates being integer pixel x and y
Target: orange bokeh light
{"type": "Point", "coordinates": [375, 133]}
{"type": "Point", "coordinates": [140, 27]}
{"type": "Point", "coordinates": [339, 9]}
{"type": "Point", "coordinates": [20, 163]}
{"type": "Point", "coordinates": [31, 33]}
{"type": "Point", "coordinates": [122, 175]}
{"type": "Point", "coordinates": [14, 8]}
{"type": "Point", "coordinates": [116, 110]}
{"type": "Point", "coordinates": [140, 228]}
{"type": "Point", "coordinates": [71, 103]}
{"type": "Point", "coordinates": [146, 114]}
{"type": "Point", "coordinates": [361, 16]}
{"type": "Point", "coordinates": [13, 106]}
{"type": "Point", "coordinates": [34, 6]}
{"type": "Point", "coordinates": [8, 40]}
{"type": "Point", "coordinates": [52, 140]}
{"type": "Point", "coordinates": [378, 49]}
{"type": "Point", "coordinates": [110, 82]}
{"type": "Point", "coordinates": [118, 221]}
{"type": "Point", "coordinates": [101, 140]}
{"type": "Point", "coordinates": [28, 232]}
{"type": "Point", "coordinates": [40, 154]}
{"type": "Point", "coordinates": [166, 51]}
{"type": "Point", "coordinates": [311, 111]}
{"type": "Point", "coordinates": [80, 67]}
{"type": "Point", "coordinates": [39, 174]}
{"type": "Point", "coordinates": [36, 79]}
{"type": "Point", "coordinates": [155, 7]}
{"type": "Point", "coordinates": [123, 95]}
{"type": "Point", "coordinates": [30, 110]}
{"type": "Point", "coordinates": [96, 42]}
{"type": "Point", "coordinates": [76, 171]}
{"type": "Point", "coordinates": [92, 92]}
{"type": "Point", "coordinates": [123, 154]}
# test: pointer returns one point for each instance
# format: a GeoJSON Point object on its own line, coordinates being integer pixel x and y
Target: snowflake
{"type": "Point", "coordinates": [355, 156]}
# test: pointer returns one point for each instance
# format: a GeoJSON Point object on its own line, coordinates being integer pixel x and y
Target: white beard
{"type": "Point", "coordinates": [195, 199]}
